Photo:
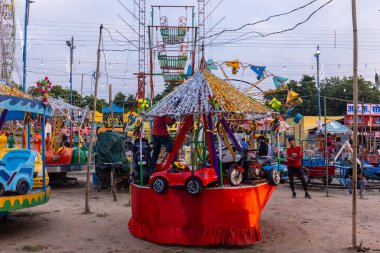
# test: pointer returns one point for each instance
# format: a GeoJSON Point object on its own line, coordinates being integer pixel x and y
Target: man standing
{"type": "Point", "coordinates": [294, 156]}
{"type": "Point", "coordinates": [160, 136]}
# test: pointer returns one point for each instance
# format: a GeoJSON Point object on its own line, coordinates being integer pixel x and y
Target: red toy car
{"type": "Point", "coordinates": [180, 176]}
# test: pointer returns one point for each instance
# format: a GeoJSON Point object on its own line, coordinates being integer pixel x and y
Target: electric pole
{"type": "Point", "coordinates": [87, 204]}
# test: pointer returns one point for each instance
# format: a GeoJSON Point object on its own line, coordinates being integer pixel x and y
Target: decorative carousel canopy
{"type": "Point", "coordinates": [12, 99]}
{"type": "Point", "coordinates": [205, 93]}
{"type": "Point", "coordinates": [62, 108]}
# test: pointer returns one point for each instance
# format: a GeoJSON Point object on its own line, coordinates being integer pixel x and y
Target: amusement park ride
{"type": "Point", "coordinates": [204, 107]}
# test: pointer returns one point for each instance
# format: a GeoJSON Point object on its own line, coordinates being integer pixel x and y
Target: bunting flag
{"type": "Point", "coordinates": [293, 99]}
{"type": "Point", "coordinates": [210, 65]}
{"type": "Point", "coordinates": [278, 80]}
{"type": "Point", "coordinates": [235, 65]}
{"type": "Point", "coordinates": [275, 104]}
{"type": "Point", "coordinates": [259, 70]}
{"type": "Point", "coordinates": [288, 112]}
{"type": "Point", "coordinates": [297, 118]}
{"type": "Point", "coordinates": [187, 75]}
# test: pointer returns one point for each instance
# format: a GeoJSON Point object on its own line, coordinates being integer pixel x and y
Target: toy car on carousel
{"type": "Point", "coordinates": [180, 175]}
{"type": "Point", "coordinates": [247, 166]}
{"type": "Point", "coordinates": [37, 174]}
{"type": "Point", "coordinates": [16, 171]}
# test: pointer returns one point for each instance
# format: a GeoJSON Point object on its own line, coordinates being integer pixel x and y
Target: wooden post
{"type": "Point", "coordinates": [111, 106]}
{"type": "Point", "coordinates": [326, 151]}
{"type": "Point", "coordinates": [355, 133]}
{"type": "Point", "coordinates": [87, 204]}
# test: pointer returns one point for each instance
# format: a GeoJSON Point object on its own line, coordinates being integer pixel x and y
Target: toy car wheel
{"type": "Point", "coordinates": [160, 185]}
{"type": "Point", "coordinates": [235, 176]}
{"type": "Point", "coordinates": [194, 186]}
{"type": "Point", "coordinates": [22, 187]}
{"type": "Point", "coordinates": [1, 189]}
{"type": "Point", "coordinates": [274, 177]}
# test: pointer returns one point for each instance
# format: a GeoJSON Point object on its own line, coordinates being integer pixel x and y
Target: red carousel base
{"type": "Point", "coordinates": [218, 216]}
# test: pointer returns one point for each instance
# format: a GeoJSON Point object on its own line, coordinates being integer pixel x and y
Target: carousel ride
{"type": "Point", "coordinates": [162, 212]}
{"type": "Point", "coordinates": [66, 151]}
{"type": "Point", "coordinates": [18, 165]}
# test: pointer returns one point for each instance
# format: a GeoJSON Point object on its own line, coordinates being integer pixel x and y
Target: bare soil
{"type": "Point", "coordinates": [322, 224]}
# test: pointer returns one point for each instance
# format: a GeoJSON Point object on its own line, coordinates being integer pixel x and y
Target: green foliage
{"type": "Point", "coordinates": [169, 87]}
{"type": "Point", "coordinates": [125, 101]}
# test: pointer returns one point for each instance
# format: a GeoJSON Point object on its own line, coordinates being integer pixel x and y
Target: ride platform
{"type": "Point", "coordinates": [17, 202]}
{"type": "Point", "coordinates": [217, 216]}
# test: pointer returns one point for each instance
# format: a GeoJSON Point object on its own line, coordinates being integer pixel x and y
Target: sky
{"type": "Point", "coordinates": [289, 54]}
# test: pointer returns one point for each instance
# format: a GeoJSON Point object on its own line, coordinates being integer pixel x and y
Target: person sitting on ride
{"type": "Point", "coordinates": [362, 182]}
{"type": "Point", "coordinates": [262, 149]}
{"type": "Point", "coordinates": [48, 142]}
{"type": "Point", "coordinates": [65, 142]}
{"type": "Point", "coordinates": [269, 148]}
{"type": "Point", "coordinates": [244, 144]}
{"type": "Point", "coordinates": [338, 144]}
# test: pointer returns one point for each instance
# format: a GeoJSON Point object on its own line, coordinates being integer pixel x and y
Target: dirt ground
{"type": "Point", "coordinates": [322, 224]}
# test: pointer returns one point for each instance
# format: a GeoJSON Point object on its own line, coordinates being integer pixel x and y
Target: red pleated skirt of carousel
{"type": "Point", "coordinates": [218, 216]}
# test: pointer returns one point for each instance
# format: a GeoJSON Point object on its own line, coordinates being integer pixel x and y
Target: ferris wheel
{"type": "Point", "coordinates": [7, 38]}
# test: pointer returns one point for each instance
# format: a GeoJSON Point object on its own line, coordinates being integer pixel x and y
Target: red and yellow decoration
{"type": "Point", "coordinates": [43, 87]}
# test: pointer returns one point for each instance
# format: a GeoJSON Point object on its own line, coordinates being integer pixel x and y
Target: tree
{"type": "Point", "coordinates": [89, 101]}
{"type": "Point", "coordinates": [169, 87]}
{"type": "Point", "coordinates": [336, 88]}
{"type": "Point", "coordinates": [120, 99]}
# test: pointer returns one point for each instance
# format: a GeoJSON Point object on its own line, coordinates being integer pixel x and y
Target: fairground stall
{"type": "Point", "coordinates": [369, 129]}
{"type": "Point", "coordinates": [203, 202]}
{"type": "Point", "coordinates": [18, 167]}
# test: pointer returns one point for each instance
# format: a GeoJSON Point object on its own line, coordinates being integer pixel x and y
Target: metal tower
{"type": "Point", "coordinates": [7, 41]}
{"type": "Point", "coordinates": [142, 33]}
{"type": "Point", "coordinates": [201, 27]}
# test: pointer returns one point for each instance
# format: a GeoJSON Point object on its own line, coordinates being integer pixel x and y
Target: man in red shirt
{"type": "Point", "coordinates": [160, 136]}
{"type": "Point", "coordinates": [294, 156]}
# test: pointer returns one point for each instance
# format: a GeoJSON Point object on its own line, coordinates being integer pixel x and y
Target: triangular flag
{"type": "Point", "coordinates": [210, 65]}
{"type": "Point", "coordinates": [288, 112]}
{"type": "Point", "coordinates": [293, 99]}
{"type": "Point", "coordinates": [259, 70]}
{"type": "Point", "coordinates": [233, 64]}
{"type": "Point", "coordinates": [278, 80]}
{"type": "Point", "coordinates": [189, 70]}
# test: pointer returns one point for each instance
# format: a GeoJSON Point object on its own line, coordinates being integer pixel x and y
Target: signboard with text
{"type": "Point", "coordinates": [368, 109]}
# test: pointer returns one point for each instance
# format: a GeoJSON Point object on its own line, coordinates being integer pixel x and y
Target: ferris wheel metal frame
{"type": "Point", "coordinates": [7, 38]}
